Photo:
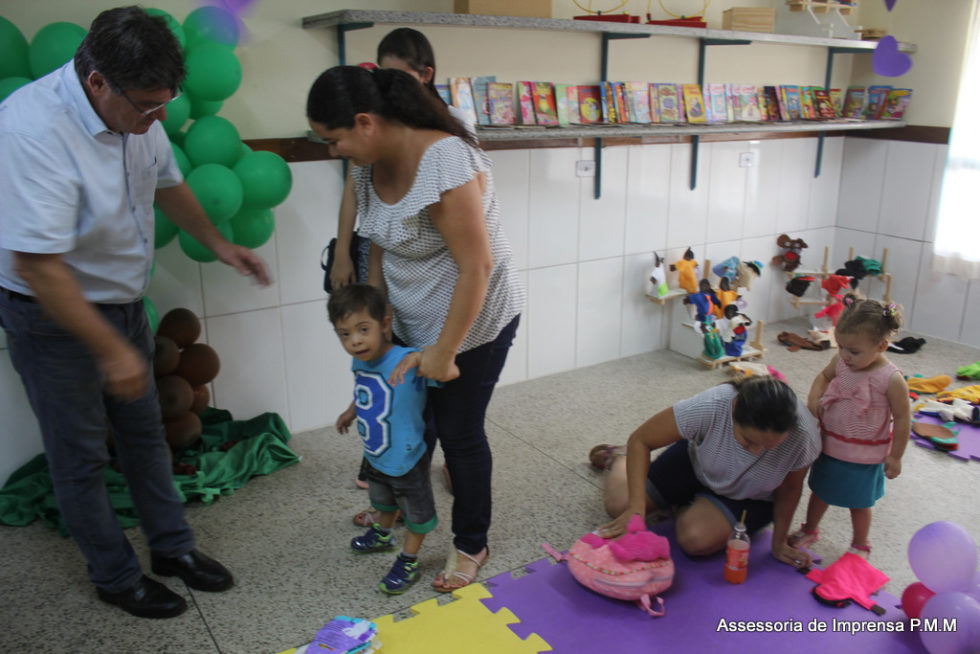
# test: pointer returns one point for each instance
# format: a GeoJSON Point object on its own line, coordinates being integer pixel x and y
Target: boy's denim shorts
{"type": "Point", "coordinates": [412, 493]}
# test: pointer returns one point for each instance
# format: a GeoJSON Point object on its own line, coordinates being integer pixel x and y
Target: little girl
{"type": "Point", "coordinates": [862, 402]}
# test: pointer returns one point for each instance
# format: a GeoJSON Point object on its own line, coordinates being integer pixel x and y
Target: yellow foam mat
{"type": "Point", "coordinates": [462, 625]}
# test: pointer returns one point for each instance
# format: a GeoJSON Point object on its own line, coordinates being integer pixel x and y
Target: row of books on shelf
{"type": "Point", "coordinates": [492, 103]}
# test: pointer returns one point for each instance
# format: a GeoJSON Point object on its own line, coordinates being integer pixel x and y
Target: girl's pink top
{"type": "Point", "coordinates": [857, 418]}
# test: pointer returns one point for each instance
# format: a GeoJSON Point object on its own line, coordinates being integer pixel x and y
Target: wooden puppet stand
{"type": "Point", "coordinates": [685, 339]}
{"type": "Point", "coordinates": [884, 277]}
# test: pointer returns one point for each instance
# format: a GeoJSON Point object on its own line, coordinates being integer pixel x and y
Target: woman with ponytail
{"type": "Point", "coordinates": [425, 196]}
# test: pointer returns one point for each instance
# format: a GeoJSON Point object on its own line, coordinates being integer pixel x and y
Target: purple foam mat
{"type": "Point", "coordinates": [575, 620]}
{"type": "Point", "coordinates": [968, 437]}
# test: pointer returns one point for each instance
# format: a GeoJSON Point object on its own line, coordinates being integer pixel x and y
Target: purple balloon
{"type": "Point", "coordinates": [890, 4]}
{"type": "Point", "coordinates": [943, 556]}
{"type": "Point", "coordinates": [888, 61]}
{"type": "Point", "coordinates": [974, 590]}
{"type": "Point", "coordinates": [941, 637]}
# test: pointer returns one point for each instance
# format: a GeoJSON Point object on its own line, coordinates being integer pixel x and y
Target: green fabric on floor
{"type": "Point", "coordinates": [261, 449]}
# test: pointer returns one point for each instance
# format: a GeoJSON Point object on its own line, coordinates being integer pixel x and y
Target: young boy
{"type": "Point", "coordinates": [387, 409]}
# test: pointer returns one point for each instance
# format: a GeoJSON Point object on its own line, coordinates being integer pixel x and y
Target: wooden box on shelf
{"type": "Point", "coordinates": [749, 19]}
{"type": "Point", "coordinates": [525, 8]}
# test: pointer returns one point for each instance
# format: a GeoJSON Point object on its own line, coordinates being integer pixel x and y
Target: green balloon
{"type": "Point", "coordinates": [14, 61]}
{"type": "Point", "coordinates": [212, 139]}
{"type": "Point", "coordinates": [177, 138]}
{"type": "Point", "coordinates": [10, 84]}
{"type": "Point", "coordinates": [53, 46]}
{"type": "Point", "coordinates": [182, 161]}
{"type": "Point", "coordinates": [164, 230]}
{"type": "Point", "coordinates": [265, 177]}
{"type": "Point", "coordinates": [151, 313]}
{"type": "Point", "coordinates": [172, 23]}
{"type": "Point", "coordinates": [178, 111]}
{"type": "Point", "coordinates": [211, 25]}
{"type": "Point", "coordinates": [244, 150]}
{"type": "Point", "coordinates": [252, 227]}
{"type": "Point", "coordinates": [218, 190]}
{"type": "Point", "coordinates": [153, 268]}
{"type": "Point", "coordinates": [213, 72]}
{"type": "Point", "coordinates": [201, 108]}
{"type": "Point", "coordinates": [193, 249]}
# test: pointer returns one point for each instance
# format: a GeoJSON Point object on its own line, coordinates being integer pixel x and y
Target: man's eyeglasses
{"type": "Point", "coordinates": [147, 112]}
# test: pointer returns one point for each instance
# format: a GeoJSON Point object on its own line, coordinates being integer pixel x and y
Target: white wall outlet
{"type": "Point", "coordinates": [585, 168]}
{"type": "Point", "coordinates": [746, 159]}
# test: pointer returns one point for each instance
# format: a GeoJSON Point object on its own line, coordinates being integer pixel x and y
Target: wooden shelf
{"type": "Point", "coordinates": [355, 18]}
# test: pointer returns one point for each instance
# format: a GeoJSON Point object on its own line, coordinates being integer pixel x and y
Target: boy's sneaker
{"type": "Point", "coordinates": [373, 540]}
{"type": "Point", "coordinates": [403, 574]}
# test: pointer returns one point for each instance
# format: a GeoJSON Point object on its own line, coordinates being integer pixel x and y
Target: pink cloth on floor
{"type": "Point", "coordinates": [849, 577]}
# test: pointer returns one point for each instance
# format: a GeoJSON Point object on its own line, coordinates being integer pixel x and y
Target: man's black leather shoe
{"type": "Point", "coordinates": [146, 598]}
{"type": "Point", "coordinates": [197, 570]}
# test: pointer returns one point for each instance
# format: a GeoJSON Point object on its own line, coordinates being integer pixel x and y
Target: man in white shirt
{"type": "Point", "coordinates": [84, 159]}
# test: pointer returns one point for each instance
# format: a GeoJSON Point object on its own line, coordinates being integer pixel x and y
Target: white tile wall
{"type": "Point", "coordinates": [600, 311]}
{"type": "Point", "coordinates": [862, 179]}
{"type": "Point", "coordinates": [687, 210]}
{"type": "Point", "coordinates": [726, 184]}
{"type": "Point", "coordinates": [602, 222]}
{"type": "Point", "coordinates": [648, 190]}
{"type": "Point", "coordinates": [905, 198]}
{"type": "Point", "coordinates": [305, 223]}
{"type": "Point", "coordinates": [551, 319]}
{"type": "Point", "coordinates": [585, 262]}
{"type": "Point", "coordinates": [553, 207]}
{"type": "Point", "coordinates": [252, 379]}
{"type": "Point", "coordinates": [512, 179]}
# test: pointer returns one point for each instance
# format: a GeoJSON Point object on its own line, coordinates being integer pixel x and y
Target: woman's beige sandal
{"type": "Point", "coordinates": [452, 578]}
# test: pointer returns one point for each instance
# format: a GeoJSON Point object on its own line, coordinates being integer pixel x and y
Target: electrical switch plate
{"type": "Point", "coordinates": [585, 168]}
{"type": "Point", "coordinates": [746, 159]}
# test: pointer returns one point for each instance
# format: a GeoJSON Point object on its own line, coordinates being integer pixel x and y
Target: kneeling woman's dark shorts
{"type": "Point", "coordinates": [671, 482]}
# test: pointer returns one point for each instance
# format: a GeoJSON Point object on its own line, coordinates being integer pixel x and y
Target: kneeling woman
{"type": "Point", "coordinates": [743, 445]}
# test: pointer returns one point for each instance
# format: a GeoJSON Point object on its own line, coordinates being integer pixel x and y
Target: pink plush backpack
{"type": "Point", "coordinates": [635, 567]}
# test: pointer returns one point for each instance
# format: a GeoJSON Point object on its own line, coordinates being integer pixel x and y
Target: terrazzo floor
{"type": "Point", "coordinates": [286, 536]}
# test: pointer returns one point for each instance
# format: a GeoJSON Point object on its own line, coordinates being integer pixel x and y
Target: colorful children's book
{"type": "Point", "coordinates": [791, 97]}
{"type": "Point", "coordinates": [760, 96]}
{"type": "Point", "coordinates": [501, 98]}
{"type": "Point", "coordinates": [561, 104]}
{"type": "Point", "coordinates": [343, 634]}
{"type": "Point", "coordinates": [774, 104]}
{"type": "Point", "coordinates": [638, 102]}
{"type": "Point", "coordinates": [573, 105]}
{"type": "Point", "coordinates": [545, 110]}
{"type": "Point", "coordinates": [876, 101]}
{"type": "Point", "coordinates": [838, 99]}
{"type": "Point", "coordinates": [589, 105]}
{"type": "Point", "coordinates": [748, 104]}
{"type": "Point", "coordinates": [853, 102]}
{"type": "Point", "coordinates": [896, 103]}
{"type": "Point", "coordinates": [525, 99]}
{"type": "Point", "coordinates": [716, 103]}
{"type": "Point", "coordinates": [481, 99]}
{"type": "Point", "coordinates": [694, 104]}
{"type": "Point", "coordinates": [622, 103]}
{"type": "Point", "coordinates": [807, 111]}
{"type": "Point", "coordinates": [654, 103]}
{"type": "Point", "coordinates": [608, 95]}
{"type": "Point", "coordinates": [462, 94]}
{"type": "Point", "coordinates": [443, 91]}
{"type": "Point", "coordinates": [822, 104]}
{"type": "Point", "coordinates": [669, 103]}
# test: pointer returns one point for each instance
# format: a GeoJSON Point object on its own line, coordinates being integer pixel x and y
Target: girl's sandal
{"type": "Point", "coordinates": [864, 551]}
{"type": "Point", "coordinates": [451, 578]}
{"type": "Point", "coordinates": [803, 538]}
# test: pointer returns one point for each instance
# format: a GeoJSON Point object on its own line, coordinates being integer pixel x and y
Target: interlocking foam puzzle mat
{"type": "Point", "coordinates": [968, 437]}
{"type": "Point", "coordinates": [546, 610]}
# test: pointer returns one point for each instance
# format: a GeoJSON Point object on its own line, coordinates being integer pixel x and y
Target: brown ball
{"type": "Point", "coordinates": [181, 325]}
{"type": "Point", "coordinates": [202, 396]}
{"type": "Point", "coordinates": [176, 396]}
{"type": "Point", "coordinates": [183, 431]}
{"type": "Point", "coordinates": [198, 364]}
{"type": "Point", "coordinates": [166, 354]}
